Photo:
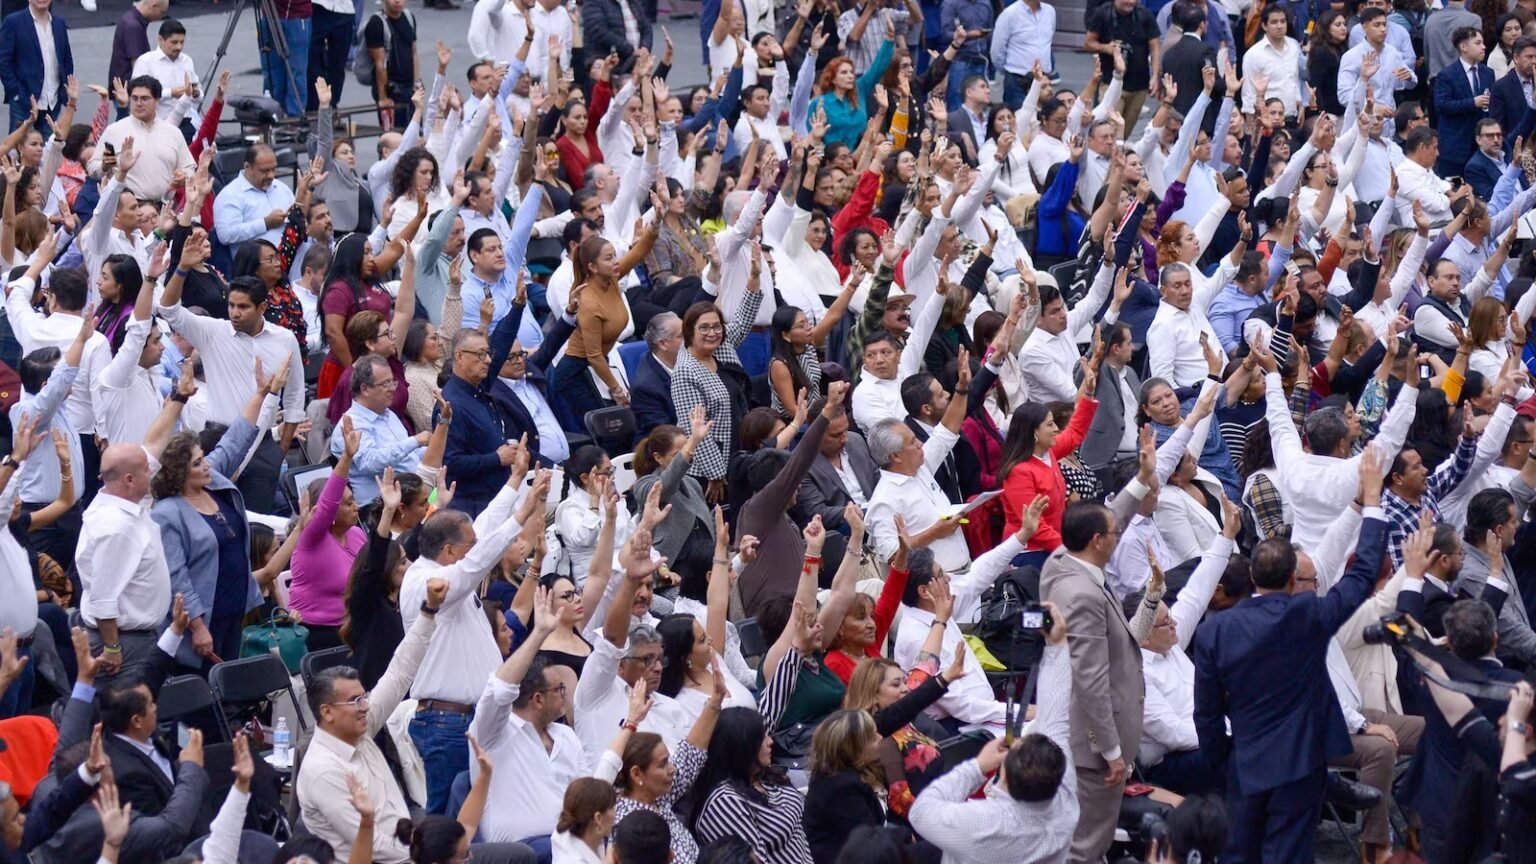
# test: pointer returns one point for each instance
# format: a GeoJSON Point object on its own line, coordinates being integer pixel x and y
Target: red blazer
{"type": "Point", "coordinates": [986, 440]}
{"type": "Point", "coordinates": [1037, 477]}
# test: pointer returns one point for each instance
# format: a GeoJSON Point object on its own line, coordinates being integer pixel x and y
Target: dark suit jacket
{"type": "Point", "coordinates": [1109, 421]}
{"type": "Point", "coordinates": [1263, 664]}
{"type": "Point", "coordinates": [963, 132]}
{"type": "Point", "coordinates": [151, 839]}
{"type": "Point", "coordinates": [1507, 105]}
{"type": "Point", "coordinates": [650, 395]}
{"type": "Point", "coordinates": [822, 492]}
{"type": "Point", "coordinates": [602, 23]}
{"type": "Point", "coordinates": [1458, 115]}
{"type": "Point", "coordinates": [139, 779]}
{"type": "Point", "coordinates": [1482, 174]}
{"type": "Point", "coordinates": [21, 57]}
{"type": "Point", "coordinates": [1183, 60]}
{"type": "Point", "coordinates": [518, 417]}
{"type": "Point", "coordinates": [960, 475]}
{"type": "Point", "coordinates": [835, 804]}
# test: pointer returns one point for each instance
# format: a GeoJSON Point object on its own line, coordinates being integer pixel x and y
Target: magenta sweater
{"type": "Point", "coordinates": [320, 564]}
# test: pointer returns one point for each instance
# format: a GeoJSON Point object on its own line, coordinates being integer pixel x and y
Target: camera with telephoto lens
{"type": "Point", "coordinates": [1392, 629]}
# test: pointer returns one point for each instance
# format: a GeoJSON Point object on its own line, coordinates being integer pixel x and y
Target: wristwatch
{"type": "Point", "coordinates": [427, 610]}
{"type": "Point", "coordinates": [1517, 726]}
{"type": "Point", "coordinates": [9, 461]}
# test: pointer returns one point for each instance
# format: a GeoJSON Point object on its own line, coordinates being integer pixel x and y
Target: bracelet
{"type": "Point", "coordinates": [176, 396]}
{"type": "Point", "coordinates": [180, 272]}
{"type": "Point", "coordinates": [427, 610]}
{"type": "Point", "coordinates": [938, 623]}
{"type": "Point", "coordinates": [111, 649]}
{"type": "Point", "coordinates": [722, 562]}
{"type": "Point", "coordinates": [631, 726]}
{"type": "Point", "coordinates": [813, 560]}
{"type": "Point", "coordinates": [962, 390]}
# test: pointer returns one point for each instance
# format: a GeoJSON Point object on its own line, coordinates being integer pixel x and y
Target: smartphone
{"type": "Point", "coordinates": [1292, 268]}
{"type": "Point", "coordinates": [1425, 372]}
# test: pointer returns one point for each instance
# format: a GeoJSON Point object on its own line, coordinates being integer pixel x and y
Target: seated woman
{"type": "Point", "coordinates": [586, 822]}
{"type": "Point", "coordinates": [578, 521]}
{"type": "Point", "coordinates": [1031, 465]}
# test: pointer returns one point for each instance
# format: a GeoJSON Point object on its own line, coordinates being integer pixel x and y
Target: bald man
{"type": "Point", "coordinates": [126, 586]}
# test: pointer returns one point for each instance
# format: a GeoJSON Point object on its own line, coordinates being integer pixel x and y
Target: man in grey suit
{"type": "Point", "coordinates": [1107, 684]}
{"type": "Point", "coordinates": [843, 471]}
{"type": "Point", "coordinates": [1113, 433]}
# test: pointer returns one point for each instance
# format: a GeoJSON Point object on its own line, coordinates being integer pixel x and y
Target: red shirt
{"type": "Point", "coordinates": [1039, 477]}
{"type": "Point", "coordinates": [885, 612]}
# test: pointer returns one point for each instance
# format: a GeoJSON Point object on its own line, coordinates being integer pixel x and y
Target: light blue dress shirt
{"type": "Point", "coordinates": [385, 443]}
{"type": "Point", "coordinates": [552, 442]}
{"type": "Point", "coordinates": [240, 211]}
{"type": "Point", "coordinates": [1397, 37]}
{"type": "Point", "coordinates": [502, 291]}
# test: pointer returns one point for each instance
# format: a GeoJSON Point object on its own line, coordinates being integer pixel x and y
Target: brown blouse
{"type": "Point", "coordinates": [601, 314]}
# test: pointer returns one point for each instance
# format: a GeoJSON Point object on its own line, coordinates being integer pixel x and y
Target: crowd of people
{"type": "Point", "coordinates": [865, 448]}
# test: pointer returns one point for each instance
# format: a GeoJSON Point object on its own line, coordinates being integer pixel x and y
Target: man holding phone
{"type": "Point", "coordinates": [971, 23]}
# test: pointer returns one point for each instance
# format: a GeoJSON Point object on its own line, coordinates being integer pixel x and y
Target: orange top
{"type": "Point", "coordinates": [601, 314]}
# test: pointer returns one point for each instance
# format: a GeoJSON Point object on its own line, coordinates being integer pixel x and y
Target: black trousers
{"type": "Point", "coordinates": [86, 487]}
{"type": "Point", "coordinates": [328, 46]}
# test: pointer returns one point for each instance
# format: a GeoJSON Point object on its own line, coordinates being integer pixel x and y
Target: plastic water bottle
{"type": "Point", "coordinates": [282, 741]}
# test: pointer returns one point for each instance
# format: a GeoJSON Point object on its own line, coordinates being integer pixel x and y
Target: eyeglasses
{"type": "Point", "coordinates": [357, 701]}
{"type": "Point", "coordinates": [558, 688]}
{"type": "Point", "coordinates": [659, 661]}
{"type": "Point", "coordinates": [709, 328]}
{"type": "Point", "coordinates": [517, 355]}
{"type": "Point", "coordinates": [387, 332]}
{"type": "Point", "coordinates": [569, 596]}
{"type": "Point", "coordinates": [482, 354]}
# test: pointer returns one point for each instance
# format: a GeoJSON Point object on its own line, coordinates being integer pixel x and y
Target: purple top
{"type": "Point", "coordinates": [320, 564]}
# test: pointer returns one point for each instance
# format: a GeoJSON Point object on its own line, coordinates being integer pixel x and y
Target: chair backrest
{"type": "Point", "coordinates": [611, 428]}
{"type": "Point", "coordinates": [297, 479]}
{"type": "Point", "coordinates": [624, 473]}
{"type": "Point", "coordinates": [751, 634]}
{"type": "Point", "coordinates": [184, 696]}
{"type": "Point", "coordinates": [630, 353]}
{"type": "Point", "coordinates": [315, 662]}
{"type": "Point", "coordinates": [250, 682]}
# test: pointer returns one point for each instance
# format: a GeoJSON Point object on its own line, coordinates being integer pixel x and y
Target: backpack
{"type": "Point", "coordinates": [362, 61]}
{"type": "Point", "coordinates": [999, 627]}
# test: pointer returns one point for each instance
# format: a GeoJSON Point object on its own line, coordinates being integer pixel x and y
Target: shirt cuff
{"type": "Point", "coordinates": [83, 692]}
{"type": "Point", "coordinates": [169, 642]}
{"type": "Point", "coordinates": [86, 776]}
{"type": "Point", "coordinates": [1499, 584]}
{"type": "Point", "coordinates": [1112, 755]}
{"type": "Point", "coordinates": [502, 692]}
{"type": "Point", "coordinates": [1373, 512]}
{"type": "Point", "coordinates": [1414, 585]}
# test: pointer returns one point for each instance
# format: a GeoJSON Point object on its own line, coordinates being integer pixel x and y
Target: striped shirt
{"type": "Point", "coordinates": [768, 820]}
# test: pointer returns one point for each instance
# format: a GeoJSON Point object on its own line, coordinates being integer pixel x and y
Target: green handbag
{"type": "Point", "coordinates": [280, 633]}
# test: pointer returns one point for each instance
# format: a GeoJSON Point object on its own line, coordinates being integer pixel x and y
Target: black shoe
{"type": "Point", "coordinates": [1352, 795]}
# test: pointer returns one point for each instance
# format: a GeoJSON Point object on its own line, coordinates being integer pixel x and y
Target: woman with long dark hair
{"type": "Point", "coordinates": [351, 285]}
{"type": "Point", "coordinates": [794, 369]}
{"type": "Point", "coordinates": [578, 144]}
{"type": "Point", "coordinates": [1501, 56]}
{"type": "Point", "coordinates": [1434, 431]}
{"type": "Point", "coordinates": [119, 286]}
{"type": "Point", "coordinates": [740, 792]}
{"type": "Point", "coordinates": [1261, 485]}
{"type": "Point", "coordinates": [1030, 466]}
{"type": "Point", "coordinates": [1329, 41]}
{"type": "Point", "coordinates": [601, 316]}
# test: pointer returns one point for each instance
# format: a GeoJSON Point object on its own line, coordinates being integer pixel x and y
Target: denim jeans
{"type": "Point", "coordinates": [961, 69]}
{"type": "Point", "coordinates": [1015, 89]}
{"type": "Point", "coordinates": [439, 738]}
{"type": "Point", "coordinates": [17, 699]}
{"type": "Point", "coordinates": [297, 33]}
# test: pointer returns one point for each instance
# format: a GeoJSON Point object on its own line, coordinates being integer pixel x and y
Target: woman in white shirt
{"type": "Point", "coordinates": [586, 820]}
{"type": "Point", "coordinates": [1013, 177]}
{"type": "Point", "coordinates": [578, 520]}
{"type": "Point", "coordinates": [1188, 510]}
{"type": "Point", "coordinates": [416, 171]}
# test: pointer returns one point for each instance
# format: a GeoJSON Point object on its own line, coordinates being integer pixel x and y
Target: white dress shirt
{"type": "Point", "coordinates": [496, 31]}
{"type": "Point", "coordinates": [44, 28]}
{"type": "Point", "coordinates": [547, 23]}
{"type": "Point", "coordinates": [1374, 179]}
{"type": "Point", "coordinates": [1050, 359]}
{"type": "Point", "coordinates": [229, 362]}
{"type": "Point", "coordinates": [1281, 65]}
{"type": "Point", "coordinates": [123, 574]}
{"type": "Point", "coordinates": [463, 656]}
{"type": "Point", "coordinates": [601, 704]}
{"type": "Point", "coordinates": [321, 787]}
{"type": "Point", "coordinates": [1321, 487]}
{"type": "Point", "coordinates": [240, 211]}
{"type": "Point", "coordinates": [1417, 183]}
{"type": "Point", "coordinates": [59, 330]}
{"type": "Point", "coordinates": [529, 782]}
{"type": "Point", "coordinates": [969, 699]}
{"type": "Point", "coordinates": [1128, 569]}
{"type": "Point", "coordinates": [172, 74]}
{"type": "Point", "coordinates": [876, 399]}
{"type": "Point", "coordinates": [127, 396]}
{"type": "Point", "coordinates": [1385, 84]}
{"type": "Point", "coordinates": [20, 611]}
{"type": "Point", "coordinates": [920, 500]}
{"type": "Point", "coordinates": [1168, 715]}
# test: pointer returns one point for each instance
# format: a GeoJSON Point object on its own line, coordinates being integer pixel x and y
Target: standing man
{"type": "Point", "coordinates": [1107, 685]}
{"type": "Point", "coordinates": [1127, 28]}
{"type": "Point", "coordinates": [125, 583]}
{"type": "Point", "coordinates": [1186, 60]}
{"type": "Point", "coordinates": [130, 40]}
{"type": "Point", "coordinates": [1377, 60]}
{"type": "Point", "coordinates": [159, 148]}
{"type": "Point", "coordinates": [1461, 101]}
{"type": "Point", "coordinates": [1021, 45]}
{"type": "Point", "coordinates": [1512, 101]}
{"type": "Point", "coordinates": [1395, 35]}
{"type": "Point", "coordinates": [1277, 58]}
{"type": "Point", "coordinates": [974, 17]}
{"type": "Point", "coordinates": [35, 61]}
{"type": "Point", "coordinates": [390, 38]}
{"type": "Point", "coordinates": [1263, 666]}
{"type": "Point", "coordinates": [173, 68]}
{"type": "Point", "coordinates": [255, 204]}
{"type": "Point", "coordinates": [1439, 49]}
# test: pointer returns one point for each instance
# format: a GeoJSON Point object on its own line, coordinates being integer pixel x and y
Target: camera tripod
{"type": "Point", "coordinates": [265, 11]}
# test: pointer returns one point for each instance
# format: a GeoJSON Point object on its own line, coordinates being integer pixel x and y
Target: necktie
{"type": "Point", "coordinates": [1472, 79]}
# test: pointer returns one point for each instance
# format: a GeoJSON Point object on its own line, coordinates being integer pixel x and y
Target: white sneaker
{"type": "Point", "coordinates": [88, 5]}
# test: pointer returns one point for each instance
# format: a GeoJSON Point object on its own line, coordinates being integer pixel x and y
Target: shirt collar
{"type": "Point", "coordinates": [132, 508]}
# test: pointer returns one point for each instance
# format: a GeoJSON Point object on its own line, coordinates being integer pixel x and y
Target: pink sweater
{"type": "Point", "coordinates": [320, 564]}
